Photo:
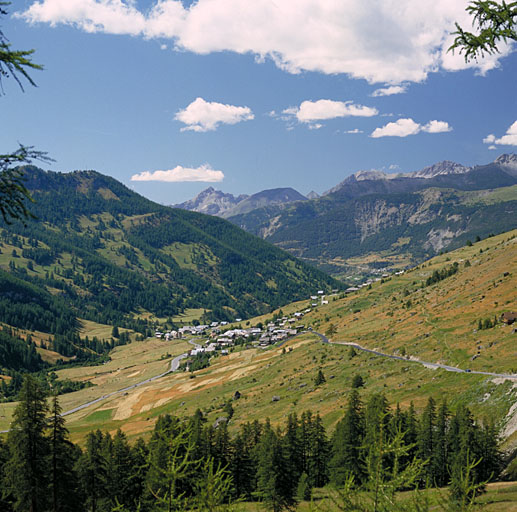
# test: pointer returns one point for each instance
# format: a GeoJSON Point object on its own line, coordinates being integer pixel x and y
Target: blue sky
{"type": "Point", "coordinates": [246, 96]}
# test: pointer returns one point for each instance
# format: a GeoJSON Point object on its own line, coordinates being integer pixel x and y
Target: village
{"type": "Point", "coordinates": [220, 338]}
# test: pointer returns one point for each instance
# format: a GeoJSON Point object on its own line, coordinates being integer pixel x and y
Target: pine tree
{"type": "Point", "coordinates": [320, 378]}
{"type": "Point", "coordinates": [139, 466]}
{"type": "Point", "coordinates": [92, 469]}
{"type": "Point", "coordinates": [426, 438]}
{"type": "Point", "coordinates": [27, 468]}
{"type": "Point", "coordinates": [171, 465]}
{"type": "Point", "coordinates": [293, 446]}
{"type": "Point", "coordinates": [440, 453]}
{"type": "Point", "coordinates": [465, 460]}
{"type": "Point", "coordinates": [119, 484]}
{"type": "Point", "coordinates": [213, 488]}
{"type": "Point", "coordinates": [6, 498]}
{"type": "Point", "coordinates": [318, 471]}
{"type": "Point", "coordinates": [491, 456]}
{"type": "Point", "coordinates": [274, 485]}
{"type": "Point", "coordinates": [242, 468]}
{"type": "Point", "coordinates": [64, 483]}
{"type": "Point", "coordinates": [221, 446]}
{"type": "Point", "coordinates": [346, 443]}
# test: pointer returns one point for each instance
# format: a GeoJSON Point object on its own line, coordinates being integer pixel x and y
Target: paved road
{"type": "Point", "coordinates": [324, 339]}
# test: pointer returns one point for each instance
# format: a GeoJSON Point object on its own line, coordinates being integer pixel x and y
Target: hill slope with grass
{"type": "Point", "coordinates": [446, 310]}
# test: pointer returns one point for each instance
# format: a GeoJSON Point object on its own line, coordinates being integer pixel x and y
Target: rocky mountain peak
{"type": "Point", "coordinates": [439, 169]}
{"type": "Point", "coordinates": [507, 160]}
{"type": "Point", "coordinates": [212, 202]}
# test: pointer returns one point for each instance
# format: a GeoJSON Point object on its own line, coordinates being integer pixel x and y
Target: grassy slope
{"type": "Point", "coordinates": [439, 325]}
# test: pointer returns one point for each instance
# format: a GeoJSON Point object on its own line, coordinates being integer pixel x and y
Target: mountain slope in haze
{"type": "Point", "coordinates": [118, 258]}
{"type": "Point", "coordinates": [397, 220]}
{"type": "Point", "coordinates": [212, 202]}
{"type": "Point", "coordinates": [274, 196]}
{"type": "Point", "coordinates": [215, 202]}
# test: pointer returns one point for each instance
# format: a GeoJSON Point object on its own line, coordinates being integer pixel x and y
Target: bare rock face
{"type": "Point", "coordinates": [508, 163]}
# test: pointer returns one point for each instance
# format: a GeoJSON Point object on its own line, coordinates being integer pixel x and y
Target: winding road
{"type": "Point", "coordinates": [427, 364]}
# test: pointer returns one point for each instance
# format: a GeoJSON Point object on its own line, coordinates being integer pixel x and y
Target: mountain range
{"type": "Point", "coordinates": [374, 220]}
{"type": "Point", "coordinates": [221, 204]}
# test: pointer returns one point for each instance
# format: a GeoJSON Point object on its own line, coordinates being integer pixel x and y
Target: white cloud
{"type": "Point", "coordinates": [388, 41]}
{"type": "Point", "coordinates": [322, 110]}
{"type": "Point", "coordinates": [436, 127]}
{"type": "Point", "coordinates": [389, 91]}
{"type": "Point", "coordinates": [179, 174]}
{"type": "Point", "coordinates": [355, 130]}
{"type": "Point", "coordinates": [400, 128]}
{"type": "Point", "coordinates": [406, 126]}
{"type": "Point", "coordinates": [204, 116]}
{"type": "Point", "coordinates": [508, 139]}
{"type": "Point", "coordinates": [492, 147]}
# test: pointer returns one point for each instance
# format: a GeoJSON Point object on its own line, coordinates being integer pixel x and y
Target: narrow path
{"type": "Point", "coordinates": [175, 363]}
{"type": "Point", "coordinates": [445, 367]}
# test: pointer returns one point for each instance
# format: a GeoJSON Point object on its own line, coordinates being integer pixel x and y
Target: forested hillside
{"type": "Point", "coordinates": [97, 251]}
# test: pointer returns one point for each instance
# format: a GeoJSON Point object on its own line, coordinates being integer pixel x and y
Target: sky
{"type": "Point", "coordinates": [172, 97]}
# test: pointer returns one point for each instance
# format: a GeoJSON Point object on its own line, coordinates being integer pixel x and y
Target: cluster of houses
{"type": "Point", "coordinates": [371, 281]}
{"type": "Point", "coordinates": [219, 338]}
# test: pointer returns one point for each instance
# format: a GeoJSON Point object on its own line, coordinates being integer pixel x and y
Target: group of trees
{"type": "Point", "coordinates": [444, 273]}
{"type": "Point", "coordinates": [445, 441]}
{"type": "Point", "coordinates": [191, 464]}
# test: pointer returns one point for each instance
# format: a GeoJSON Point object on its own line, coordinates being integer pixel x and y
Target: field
{"type": "Point", "coordinates": [500, 497]}
{"type": "Point", "coordinates": [129, 364]}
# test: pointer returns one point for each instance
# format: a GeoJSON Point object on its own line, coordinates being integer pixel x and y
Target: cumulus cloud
{"type": "Point", "coordinates": [179, 174]}
{"type": "Point", "coordinates": [309, 112]}
{"type": "Point", "coordinates": [406, 126]}
{"type": "Point", "coordinates": [204, 116]}
{"type": "Point", "coordinates": [436, 127]}
{"type": "Point", "coordinates": [389, 42]}
{"type": "Point", "coordinates": [390, 91]}
{"type": "Point", "coordinates": [508, 139]}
